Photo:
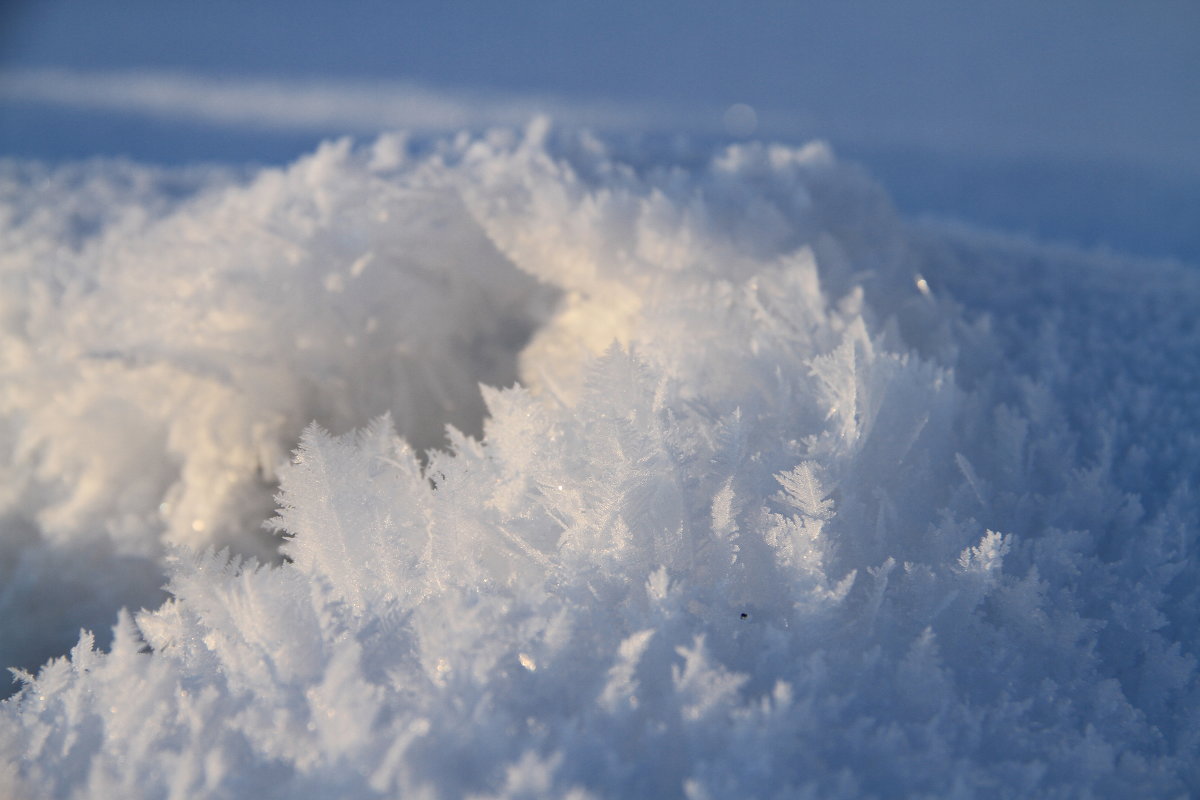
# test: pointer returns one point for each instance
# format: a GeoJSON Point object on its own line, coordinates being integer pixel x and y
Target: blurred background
{"type": "Point", "coordinates": [1066, 120]}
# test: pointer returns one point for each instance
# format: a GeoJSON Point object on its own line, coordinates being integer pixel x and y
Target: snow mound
{"type": "Point", "coordinates": [793, 498]}
{"type": "Point", "coordinates": [162, 355]}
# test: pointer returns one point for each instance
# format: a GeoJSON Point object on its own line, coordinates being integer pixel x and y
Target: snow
{"type": "Point", "coordinates": [808, 412]}
{"type": "Point", "coordinates": [325, 105]}
{"type": "Point", "coordinates": [1072, 121]}
{"type": "Point", "coordinates": [768, 491]}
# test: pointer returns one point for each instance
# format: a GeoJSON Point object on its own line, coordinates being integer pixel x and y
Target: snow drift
{"type": "Point", "coordinates": [792, 498]}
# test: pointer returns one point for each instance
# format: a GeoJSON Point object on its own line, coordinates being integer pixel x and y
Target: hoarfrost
{"type": "Point", "coordinates": [793, 498]}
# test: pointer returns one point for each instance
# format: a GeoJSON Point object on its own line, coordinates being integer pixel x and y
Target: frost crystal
{"type": "Point", "coordinates": [792, 498]}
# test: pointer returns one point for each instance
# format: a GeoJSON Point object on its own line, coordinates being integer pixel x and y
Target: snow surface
{"type": "Point", "coordinates": [1073, 121]}
{"type": "Point", "coordinates": [793, 498]}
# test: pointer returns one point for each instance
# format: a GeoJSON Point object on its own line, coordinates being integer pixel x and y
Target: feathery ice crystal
{"type": "Point", "coordinates": [792, 498]}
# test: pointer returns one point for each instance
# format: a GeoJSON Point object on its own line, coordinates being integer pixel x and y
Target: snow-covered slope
{"type": "Point", "coordinates": [1074, 121]}
{"type": "Point", "coordinates": [793, 497]}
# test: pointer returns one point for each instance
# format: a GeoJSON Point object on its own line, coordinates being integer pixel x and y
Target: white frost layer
{"type": "Point", "coordinates": [159, 359]}
{"type": "Point", "coordinates": [850, 509]}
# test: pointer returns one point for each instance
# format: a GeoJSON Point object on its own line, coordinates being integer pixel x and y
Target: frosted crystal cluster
{"type": "Point", "coordinates": [775, 494]}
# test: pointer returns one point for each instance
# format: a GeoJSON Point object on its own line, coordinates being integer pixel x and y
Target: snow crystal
{"type": "Point", "coordinates": [159, 365]}
{"type": "Point", "coordinates": [793, 498]}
